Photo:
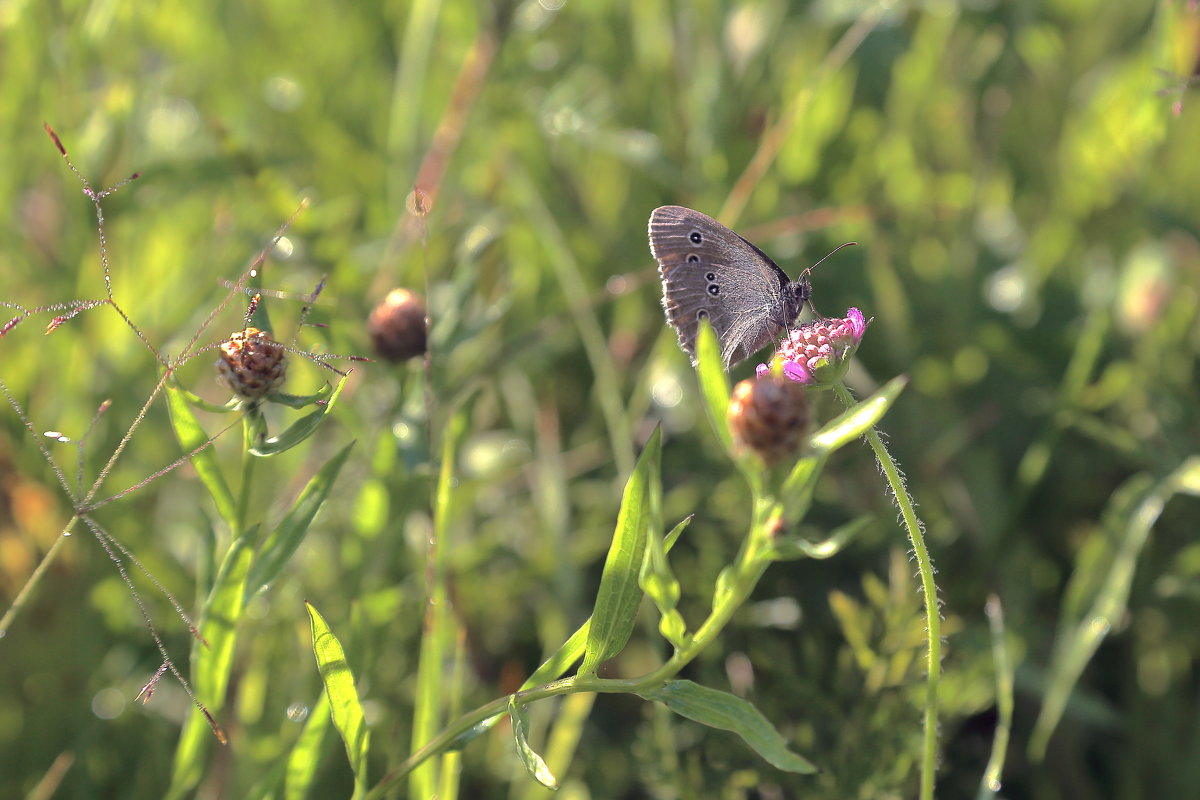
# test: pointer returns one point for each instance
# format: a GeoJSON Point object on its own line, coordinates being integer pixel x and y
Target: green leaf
{"type": "Point", "coordinates": [655, 576]}
{"type": "Point", "coordinates": [675, 532]}
{"type": "Point", "coordinates": [787, 548]}
{"type": "Point", "coordinates": [727, 712]}
{"type": "Point", "coordinates": [211, 665]}
{"type": "Point", "coordinates": [798, 487]}
{"type": "Point", "coordinates": [191, 437]}
{"type": "Point", "coordinates": [436, 673]}
{"type": "Point", "coordinates": [1127, 521]}
{"type": "Point", "coordinates": [344, 705]}
{"type": "Point", "coordinates": [855, 421]}
{"type": "Point", "coordinates": [298, 431]}
{"type": "Point", "coordinates": [199, 402]}
{"type": "Point", "coordinates": [724, 586]}
{"type": "Point", "coordinates": [619, 595]}
{"type": "Point", "coordinates": [557, 664]}
{"type": "Point", "coordinates": [714, 383]}
{"type": "Point", "coordinates": [532, 761]}
{"type": "Point", "coordinates": [306, 753]}
{"type": "Point", "coordinates": [290, 532]}
{"type": "Point", "coordinates": [300, 400]}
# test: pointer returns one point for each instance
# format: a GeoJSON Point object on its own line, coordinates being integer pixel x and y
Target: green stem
{"type": "Point", "coordinates": [933, 620]}
{"type": "Point", "coordinates": [34, 579]}
{"type": "Point", "coordinates": [248, 461]}
{"type": "Point", "coordinates": [752, 561]}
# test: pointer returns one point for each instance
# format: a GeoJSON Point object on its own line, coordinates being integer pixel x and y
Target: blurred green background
{"type": "Point", "coordinates": [1023, 181]}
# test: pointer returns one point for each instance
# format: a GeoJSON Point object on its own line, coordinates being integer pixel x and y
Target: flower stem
{"type": "Point", "coordinates": [933, 621]}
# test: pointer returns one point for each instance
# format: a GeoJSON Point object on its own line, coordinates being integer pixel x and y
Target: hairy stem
{"type": "Point", "coordinates": [933, 620]}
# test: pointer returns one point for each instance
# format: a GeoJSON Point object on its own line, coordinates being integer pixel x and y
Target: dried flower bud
{"type": "Point", "coordinates": [769, 415]}
{"type": "Point", "coordinates": [252, 364]}
{"type": "Point", "coordinates": [397, 326]}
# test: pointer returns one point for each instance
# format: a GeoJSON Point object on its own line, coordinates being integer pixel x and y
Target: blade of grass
{"type": "Point", "coordinates": [211, 666]}
{"type": "Point", "coordinates": [345, 708]}
{"type": "Point", "coordinates": [287, 536]}
{"type": "Point", "coordinates": [306, 754]}
{"type": "Point", "coordinates": [1132, 512]}
{"type": "Point", "coordinates": [607, 382]}
{"type": "Point", "coordinates": [191, 436]}
{"type": "Point", "coordinates": [989, 783]}
{"type": "Point", "coordinates": [438, 638]}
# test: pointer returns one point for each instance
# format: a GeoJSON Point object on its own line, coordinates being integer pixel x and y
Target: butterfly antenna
{"type": "Point", "coordinates": [804, 275]}
{"type": "Point", "coordinates": [827, 255]}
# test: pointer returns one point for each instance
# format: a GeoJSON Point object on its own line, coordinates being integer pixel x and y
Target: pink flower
{"type": "Point", "coordinates": [818, 353]}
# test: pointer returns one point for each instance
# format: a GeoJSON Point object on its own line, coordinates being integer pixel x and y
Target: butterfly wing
{"type": "Point", "coordinates": [708, 271]}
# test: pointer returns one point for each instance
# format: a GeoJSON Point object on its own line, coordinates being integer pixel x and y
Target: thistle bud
{"type": "Point", "coordinates": [252, 364]}
{"type": "Point", "coordinates": [769, 415]}
{"type": "Point", "coordinates": [397, 326]}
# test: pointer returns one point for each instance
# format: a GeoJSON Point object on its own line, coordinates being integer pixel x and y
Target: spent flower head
{"type": "Point", "coordinates": [769, 416]}
{"type": "Point", "coordinates": [252, 364]}
{"type": "Point", "coordinates": [397, 326]}
{"type": "Point", "coordinates": [819, 352]}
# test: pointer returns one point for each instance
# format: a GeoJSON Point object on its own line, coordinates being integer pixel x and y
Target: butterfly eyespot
{"type": "Point", "coordinates": [710, 277]}
{"type": "Point", "coordinates": [713, 289]}
{"type": "Point", "coordinates": [701, 314]}
{"type": "Point", "coordinates": [696, 237]}
{"type": "Point", "coordinates": [693, 259]}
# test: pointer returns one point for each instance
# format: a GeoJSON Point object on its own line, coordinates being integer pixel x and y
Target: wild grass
{"type": "Point", "coordinates": [1023, 193]}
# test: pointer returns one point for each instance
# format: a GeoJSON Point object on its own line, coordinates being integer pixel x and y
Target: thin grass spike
{"type": "Point", "coordinates": [104, 539]}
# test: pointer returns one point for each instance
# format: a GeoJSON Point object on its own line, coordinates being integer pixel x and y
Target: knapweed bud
{"type": "Point", "coordinates": [819, 353]}
{"type": "Point", "coordinates": [769, 415]}
{"type": "Point", "coordinates": [252, 364]}
{"type": "Point", "coordinates": [397, 326]}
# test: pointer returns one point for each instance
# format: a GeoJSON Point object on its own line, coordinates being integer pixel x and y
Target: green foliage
{"type": "Point", "coordinates": [619, 594]}
{"type": "Point", "coordinates": [344, 705]}
{"type": "Point", "coordinates": [727, 712]}
{"type": "Point", "coordinates": [1023, 195]}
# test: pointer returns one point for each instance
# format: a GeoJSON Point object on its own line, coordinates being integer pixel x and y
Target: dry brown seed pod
{"type": "Point", "coordinates": [397, 326]}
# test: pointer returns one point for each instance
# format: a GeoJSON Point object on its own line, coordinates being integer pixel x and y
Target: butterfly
{"type": "Point", "coordinates": [710, 272]}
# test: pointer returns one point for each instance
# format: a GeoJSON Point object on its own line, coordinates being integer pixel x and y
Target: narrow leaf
{"type": "Point", "coordinates": [787, 548]}
{"type": "Point", "coordinates": [655, 576]}
{"type": "Point", "coordinates": [714, 383]}
{"type": "Point", "coordinates": [1128, 519]}
{"type": "Point", "coordinates": [344, 706]}
{"type": "Point", "coordinates": [290, 532]}
{"type": "Point", "coordinates": [798, 488]}
{"type": "Point", "coordinates": [436, 672]}
{"type": "Point", "coordinates": [557, 664]}
{"type": "Point", "coordinates": [725, 711]}
{"type": "Point", "coordinates": [199, 402]}
{"type": "Point", "coordinates": [301, 400]}
{"type": "Point", "coordinates": [306, 753]}
{"type": "Point", "coordinates": [854, 422]}
{"type": "Point", "coordinates": [619, 595]}
{"type": "Point", "coordinates": [191, 436]}
{"type": "Point", "coordinates": [675, 532]}
{"type": "Point", "coordinates": [211, 665]}
{"type": "Point", "coordinates": [299, 430]}
{"type": "Point", "coordinates": [533, 762]}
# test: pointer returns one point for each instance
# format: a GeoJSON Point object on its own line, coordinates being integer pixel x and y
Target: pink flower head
{"type": "Point", "coordinates": [818, 353]}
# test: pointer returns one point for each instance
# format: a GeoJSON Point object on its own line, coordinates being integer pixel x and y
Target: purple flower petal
{"type": "Point", "coordinates": [797, 372]}
{"type": "Point", "coordinates": [856, 320]}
